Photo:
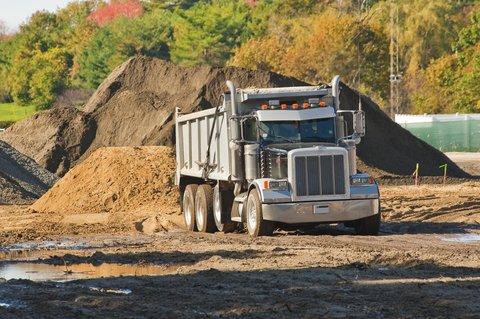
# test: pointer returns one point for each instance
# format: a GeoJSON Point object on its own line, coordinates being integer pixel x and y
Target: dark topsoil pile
{"type": "Point", "coordinates": [135, 106]}
{"type": "Point", "coordinates": [21, 179]}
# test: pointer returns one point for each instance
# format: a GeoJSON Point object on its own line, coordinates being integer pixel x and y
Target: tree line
{"type": "Point", "coordinates": [79, 45]}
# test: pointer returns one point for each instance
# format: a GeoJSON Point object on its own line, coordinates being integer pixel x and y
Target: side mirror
{"type": "Point", "coordinates": [359, 123]}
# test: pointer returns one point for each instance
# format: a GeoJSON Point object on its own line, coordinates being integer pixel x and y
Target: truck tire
{"type": "Point", "coordinates": [204, 209]}
{"type": "Point", "coordinates": [369, 225]}
{"type": "Point", "coordinates": [188, 206]}
{"type": "Point", "coordinates": [220, 215]}
{"type": "Point", "coordinates": [256, 225]}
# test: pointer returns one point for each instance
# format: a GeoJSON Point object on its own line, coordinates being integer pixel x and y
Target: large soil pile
{"type": "Point", "coordinates": [135, 106]}
{"type": "Point", "coordinates": [21, 179]}
{"type": "Point", "coordinates": [117, 185]}
{"type": "Point", "coordinates": [388, 148]}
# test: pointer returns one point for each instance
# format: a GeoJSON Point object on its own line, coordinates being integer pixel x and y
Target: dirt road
{"type": "Point", "coordinates": [425, 264]}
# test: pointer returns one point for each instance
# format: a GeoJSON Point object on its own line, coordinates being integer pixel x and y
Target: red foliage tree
{"type": "Point", "coordinates": [116, 9]}
{"type": "Point", "coordinates": [251, 3]}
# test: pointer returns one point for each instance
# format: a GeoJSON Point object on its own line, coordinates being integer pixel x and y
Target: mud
{"type": "Point", "coordinates": [424, 264]}
{"type": "Point", "coordinates": [329, 273]}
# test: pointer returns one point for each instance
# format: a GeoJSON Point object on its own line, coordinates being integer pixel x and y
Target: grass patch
{"type": "Point", "coordinates": [11, 112]}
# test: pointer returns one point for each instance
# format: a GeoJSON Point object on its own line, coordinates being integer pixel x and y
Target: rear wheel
{"type": "Point", "coordinates": [256, 225]}
{"type": "Point", "coordinates": [221, 213]}
{"type": "Point", "coordinates": [369, 225]}
{"type": "Point", "coordinates": [204, 209]}
{"type": "Point", "coordinates": [189, 206]}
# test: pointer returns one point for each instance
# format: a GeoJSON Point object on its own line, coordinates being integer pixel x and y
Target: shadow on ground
{"type": "Point", "coordinates": [350, 291]}
{"type": "Point", "coordinates": [389, 228]}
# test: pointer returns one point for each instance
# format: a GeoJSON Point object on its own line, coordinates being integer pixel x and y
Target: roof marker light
{"type": "Point", "coordinates": [314, 102]}
{"type": "Point", "coordinates": [284, 106]}
{"type": "Point", "coordinates": [306, 105]}
{"type": "Point", "coordinates": [295, 106]}
{"type": "Point", "coordinates": [264, 107]}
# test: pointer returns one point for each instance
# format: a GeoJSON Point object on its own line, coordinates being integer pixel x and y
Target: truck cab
{"type": "Point", "coordinates": [289, 157]}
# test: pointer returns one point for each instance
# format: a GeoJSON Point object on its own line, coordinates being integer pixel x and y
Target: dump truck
{"type": "Point", "coordinates": [265, 158]}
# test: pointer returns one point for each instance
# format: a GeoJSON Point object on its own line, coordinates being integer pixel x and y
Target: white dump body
{"type": "Point", "coordinates": [192, 134]}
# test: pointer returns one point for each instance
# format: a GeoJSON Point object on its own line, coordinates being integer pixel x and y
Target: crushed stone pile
{"type": "Point", "coordinates": [131, 186]}
{"type": "Point", "coordinates": [135, 106]}
{"type": "Point", "coordinates": [22, 180]}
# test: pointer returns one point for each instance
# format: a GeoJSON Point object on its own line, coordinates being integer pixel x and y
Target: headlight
{"type": "Point", "coordinates": [361, 180]}
{"type": "Point", "coordinates": [279, 185]}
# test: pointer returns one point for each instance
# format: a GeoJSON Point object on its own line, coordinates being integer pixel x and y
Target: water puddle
{"type": "Point", "coordinates": [46, 272]}
{"type": "Point", "coordinates": [462, 238]}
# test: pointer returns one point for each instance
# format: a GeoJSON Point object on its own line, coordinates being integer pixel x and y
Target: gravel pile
{"type": "Point", "coordinates": [22, 180]}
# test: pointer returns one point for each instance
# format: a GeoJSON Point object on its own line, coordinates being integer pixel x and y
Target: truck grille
{"type": "Point", "coordinates": [319, 175]}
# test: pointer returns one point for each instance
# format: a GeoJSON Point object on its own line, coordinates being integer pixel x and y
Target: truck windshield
{"type": "Point", "coordinates": [311, 131]}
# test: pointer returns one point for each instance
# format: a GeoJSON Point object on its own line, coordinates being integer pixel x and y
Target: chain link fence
{"type": "Point", "coordinates": [446, 132]}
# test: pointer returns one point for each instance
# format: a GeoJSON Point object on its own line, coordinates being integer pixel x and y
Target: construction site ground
{"type": "Point", "coordinates": [425, 263]}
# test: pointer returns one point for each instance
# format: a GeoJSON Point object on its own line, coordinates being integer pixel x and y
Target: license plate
{"type": "Point", "coordinates": [321, 209]}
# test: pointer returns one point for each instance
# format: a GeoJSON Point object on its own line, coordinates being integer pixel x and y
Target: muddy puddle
{"type": "Point", "coordinates": [46, 272]}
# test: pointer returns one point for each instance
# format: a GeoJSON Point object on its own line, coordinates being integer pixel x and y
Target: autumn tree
{"type": "Point", "coordinates": [208, 33]}
{"type": "Point", "coordinates": [313, 52]}
{"type": "Point", "coordinates": [452, 82]}
{"type": "Point", "coordinates": [39, 78]}
{"type": "Point", "coordinates": [113, 44]}
{"type": "Point", "coordinates": [115, 9]}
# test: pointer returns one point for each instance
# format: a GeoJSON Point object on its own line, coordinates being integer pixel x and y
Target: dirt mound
{"type": "Point", "coordinates": [21, 179]}
{"type": "Point", "coordinates": [136, 103]}
{"type": "Point", "coordinates": [117, 186]}
{"type": "Point", "coordinates": [135, 106]}
{"type": "Point", "coordinates": [387, 148]}
{"type": "Point", "coordinates": [54, 138]}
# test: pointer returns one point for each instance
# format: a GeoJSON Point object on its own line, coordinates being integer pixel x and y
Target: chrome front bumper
{"type": "Point", "coordinates": [319, 212]}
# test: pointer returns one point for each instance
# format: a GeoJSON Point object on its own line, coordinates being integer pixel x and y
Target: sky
{"type": "Point", "coordinates": [14, 12]}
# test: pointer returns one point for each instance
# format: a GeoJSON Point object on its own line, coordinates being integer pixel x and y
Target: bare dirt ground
{"type": "Point", "coordinates": [425, 264]}
{"type": "Point", "coordinates": [469, 162]}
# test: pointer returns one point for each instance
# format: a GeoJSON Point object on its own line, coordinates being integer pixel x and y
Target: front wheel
{"type": "Point", "coordinates": [256, 225]}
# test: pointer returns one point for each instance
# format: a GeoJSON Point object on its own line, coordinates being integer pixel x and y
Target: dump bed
{"type": "Point", "coordinates": [193, 131]}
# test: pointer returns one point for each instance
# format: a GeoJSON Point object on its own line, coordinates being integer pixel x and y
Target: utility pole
{"type": "Point", "coordinates": [395, 75]}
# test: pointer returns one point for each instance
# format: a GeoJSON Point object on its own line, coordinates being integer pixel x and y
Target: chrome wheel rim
{"type": "Point", "coordinates": [252, 216]}
{"type": "Point", "coordinates": [188, 214]}
{"type": "Point", "coordinates": [199, 215]}
{"type": "Point", "coordinates": [216, 208]}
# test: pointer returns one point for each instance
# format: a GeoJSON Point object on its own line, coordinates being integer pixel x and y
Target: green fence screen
{"type": "Point", "coordinates": [448, 133]}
